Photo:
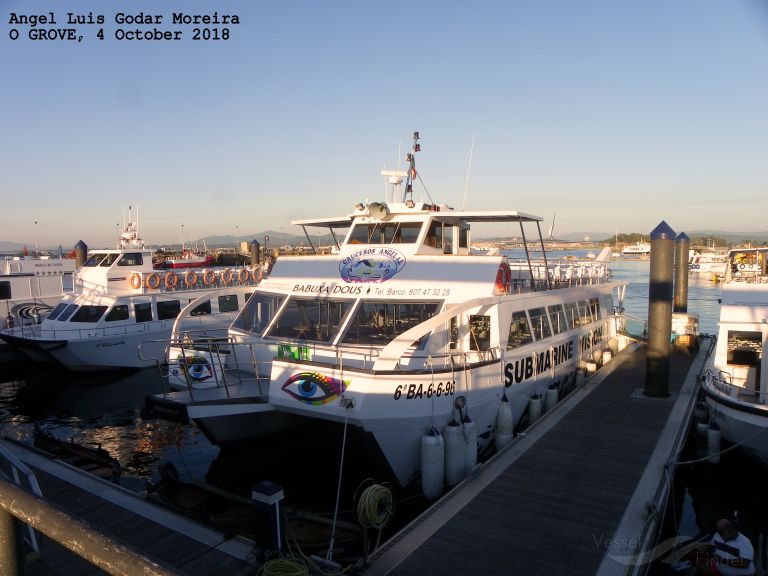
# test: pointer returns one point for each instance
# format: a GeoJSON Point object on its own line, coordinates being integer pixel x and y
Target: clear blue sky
{"type": "Point", "coordinates": [614, 114]}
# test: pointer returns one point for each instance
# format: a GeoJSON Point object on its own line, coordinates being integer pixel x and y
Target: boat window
{"type": "Point", "coordinates": [585, 315]}
{"type": "Point", "coordinates": [453, 343]}
{"type": "Point", "coordinates": [310, 319]}
{"type": "Point", "coordinates": [594, 305]}
{"type": "Point", "coordinates": [519, 331]}
{"type": "Point", "coordinates": [385, 233]}
{"type": "Point", "coordinates": [68, 312]}
{"type": "Point", "coordinates": [745, 347]}
{"type": "Point", "coordinates": [258, 312]}
{"type": "Point", "coordinates": [94, 260]}
{"type": "Point", "coordinates": [143, 311]}
{"type": "Point", "coordinates": [572, 314]}
{"type": "Point", "coordinates": [379, 322]}
{"type": "Point", "coordinates": [5, 290]}
{"type": "Point", "coordinates": [202, 309]}
{"type": "Point", "coordinates": [557, 316]}
{"type": "Point", "coordinates": [167, 309]}
{"type": "Point", "coordinates": [540, 323]}
{"type": "Point", "coordinates": [464, 237]}
{"type": "Point", "coordinates": [88, 313]}
{"type": "Point", "coordinates": [118, 312]}
{"type": "Point", "coordinates": [56, 311]}
{"type": "Point", "coordinates": [228, 303]}
{"type": "Point", "coordinates": [131, 259]}
{"type": "Point", "coordinates": [479, 332]}
{"type": "Point", "coordinates": [434, 236]}
{"type": "Point", "coordinates": [109, 260]}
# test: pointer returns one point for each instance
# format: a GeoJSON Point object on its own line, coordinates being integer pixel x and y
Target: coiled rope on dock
{"type": "Point", "coordinates": [375, 507]}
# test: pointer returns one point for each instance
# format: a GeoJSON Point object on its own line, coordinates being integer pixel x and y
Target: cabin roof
{"type": "Point", "coordinates": [443, 215]}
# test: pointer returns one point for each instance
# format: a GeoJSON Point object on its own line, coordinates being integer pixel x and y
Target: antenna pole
{"type": "Point", "coordinates": [469, 168]}
{"type": "Point", "coordinates": [411, 159]}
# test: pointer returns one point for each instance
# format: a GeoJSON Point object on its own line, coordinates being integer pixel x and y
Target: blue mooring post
{"type": "Point", "coordinates": [682, 248]}
{"type": "Point", "coordinates": [660, 311]}
{"type": "Point", "coordinates": [81, 253]}
{"type": "Point", "coordinates": [255, 247]}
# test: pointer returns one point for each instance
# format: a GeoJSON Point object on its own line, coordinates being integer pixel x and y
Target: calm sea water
{"type": "Point", "coordinates": [107, 410]}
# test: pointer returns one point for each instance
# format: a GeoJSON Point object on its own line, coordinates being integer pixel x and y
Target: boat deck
{"type": "Point", "coordinates": [573, 504]}
{"type": "Point", "coordinates": [174, 542]}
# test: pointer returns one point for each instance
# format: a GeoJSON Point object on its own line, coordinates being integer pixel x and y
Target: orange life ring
{"type": "Point", "coordinates": [208, 277]}
{"type": "Point", "coordinates": [153, 281]}
{"type": "Point", "coordinates": [171, 280]}
{"type": "Point", "coordinates": [226, 277]}
{"type": "Point", "coordinates": [190, 278]}
{"type": "Point", "coordinates": [242, 275]}
{"type": "Point", "coordinates": [135, 280]}
{"type": "Point", "coordinates": [257, 275]}
{"type": "Point", "coordinates": [504, 278]}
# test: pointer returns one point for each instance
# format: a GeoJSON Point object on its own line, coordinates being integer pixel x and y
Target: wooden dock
{"type": "Point", "coordinates": [169, 539]}
{"type": "Point", "coordinates": [568, 498]}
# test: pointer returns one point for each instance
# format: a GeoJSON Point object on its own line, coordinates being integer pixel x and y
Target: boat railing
{"type": "Point", "coordinates": [14, 470]}
{"type": "Point", "coordinates": [36, 331]}
{"type": "Point", "coordinates": [198, 361]}
{"type": "Point", "coordinates": [629, 325]}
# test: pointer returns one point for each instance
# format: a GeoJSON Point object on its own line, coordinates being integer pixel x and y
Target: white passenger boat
{"type": "Point", "coordinates": [404, 330]}
{"type": "Point", "coordinates": [637, 249]}
{"type": "Point", "coordinates": [120, 302]}
{"type": "Point", "coordinates": [30, 286]}
{"type": "Point", "coordinates": [736, 383]}
{"type": "Point", "coordinates": [709, 262]}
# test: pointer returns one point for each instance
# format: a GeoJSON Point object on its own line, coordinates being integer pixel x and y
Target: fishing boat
{"type": "Point", "coordinates": [119, 303]}
{"type": "Point", "coordinates": [736, 382]}
{"type": "Point", "coordinates": [189, 259]}
{"type": "Point", "coordinates": [637, 249]}
{"type": "Point", "coordinates": [404, 336]}
{"type": "Point", "coordinates": [31, 285]}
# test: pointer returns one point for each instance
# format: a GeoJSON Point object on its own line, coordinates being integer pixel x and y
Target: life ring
{"type": "Point", "coordinates": [742, 266]}
{"type": "Point", "coordinates": [171, 280]}
{"type": "Point", "coordinates": [153, 281]}
{"type": "Point", "coordinates": [504, 278]}
{"type": "Point", "coordinates": [135, 280]}
{"type": "Point", "coordinates": [226, 277]}
{"type": "Point", "coordinates": [208, 277]}
{"type": "Point", "coordinates": [190, 278]}
{"type": "Point", "coordinates": [242, 275]}
{"type": "Point", "coordinates": [257, 274]}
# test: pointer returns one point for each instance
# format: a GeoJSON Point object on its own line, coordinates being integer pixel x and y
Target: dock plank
{"type": "Point", "coordinates": [555, 509]}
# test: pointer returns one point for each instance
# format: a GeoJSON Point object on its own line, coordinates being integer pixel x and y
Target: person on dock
{"type": "Point", "coordinates": [729, 553]}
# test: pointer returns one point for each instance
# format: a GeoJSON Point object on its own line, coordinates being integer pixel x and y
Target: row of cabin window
{"type": "Point", "coordinates": [142, 311]}
{"type": "Point", "coordinates": [438, 234]}
{"type": "Point", "coordinates": [550, 320]}
{"type": "Point", "coordinates": [105, 260]}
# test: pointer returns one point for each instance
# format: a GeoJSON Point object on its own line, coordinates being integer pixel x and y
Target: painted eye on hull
{"type": "Point", "coordinates": [198, 369]}
{"type": "Point", "coordinates": [314, 388]}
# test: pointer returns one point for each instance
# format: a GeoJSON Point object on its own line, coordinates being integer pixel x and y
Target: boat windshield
{"type": "Point", "coordinates": [385, 233]}
{"type": "Point", "coordinates": [379, 322]}
{"type": "Point", "coordinates": [315, 319]}
{"type": "Point", "coordinates": [94, 260]}
{"type": "Point", "coordinates": [258, 312]}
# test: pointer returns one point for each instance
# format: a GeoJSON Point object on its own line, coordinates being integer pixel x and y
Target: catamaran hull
{"type": "Point", "coordinates": [745, 425]}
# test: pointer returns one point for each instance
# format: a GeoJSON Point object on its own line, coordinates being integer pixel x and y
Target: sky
{"type": "Point", "coordinates": [613, 115]}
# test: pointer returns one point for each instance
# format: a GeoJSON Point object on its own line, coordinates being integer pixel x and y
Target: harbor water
{"type": "Point", "coordinates": [108, 410]}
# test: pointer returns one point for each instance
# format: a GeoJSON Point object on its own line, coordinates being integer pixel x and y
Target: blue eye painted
{"type": "Point", "coordinates": [314, 388]}
{"type": "Point", "coordinates": [197, 369]}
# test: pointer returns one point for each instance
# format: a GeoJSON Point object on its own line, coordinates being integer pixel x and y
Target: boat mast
{"type": "Point", "coordinates": [412, 174]}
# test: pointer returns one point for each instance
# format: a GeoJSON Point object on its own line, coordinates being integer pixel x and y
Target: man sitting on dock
{"type": "Point", "coordinates": [730, 553]}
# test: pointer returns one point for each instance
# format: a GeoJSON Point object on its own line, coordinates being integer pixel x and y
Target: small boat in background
{"type": "Point", "coordinates": [637, 249]}
{"type": "Point", "coordinates": [189, 259]}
